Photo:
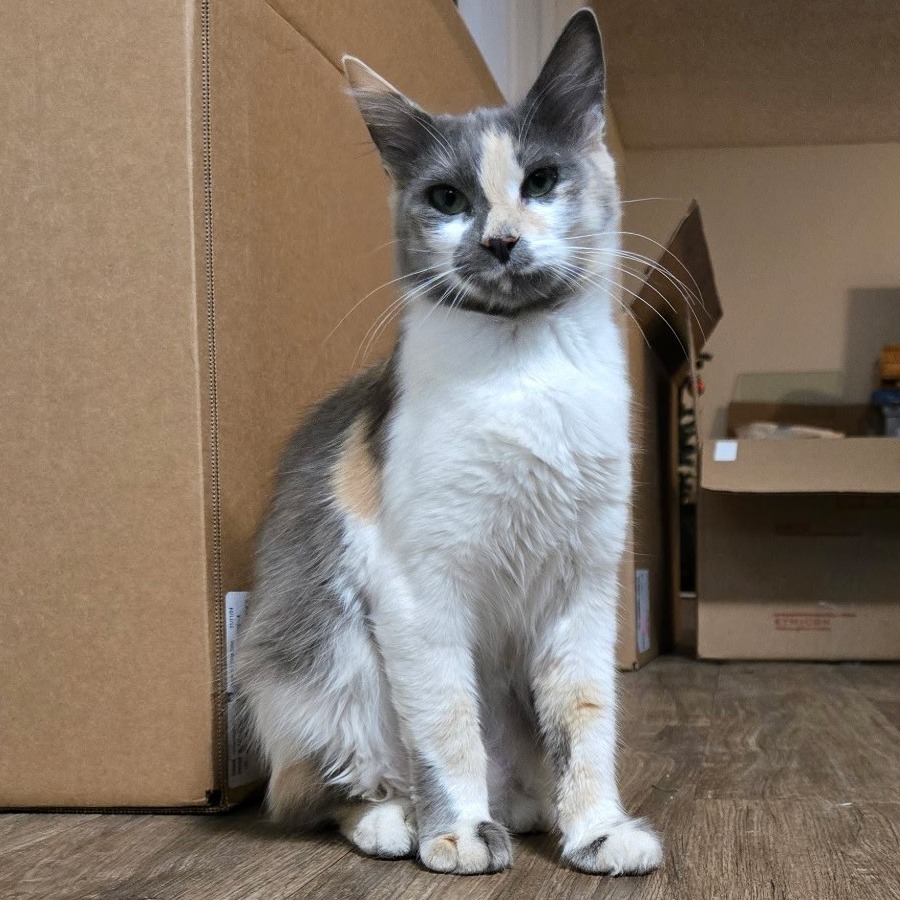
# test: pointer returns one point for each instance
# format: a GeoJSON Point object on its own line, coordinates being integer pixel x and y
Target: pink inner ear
{"type": "Point", "coordinates": [362, 78]}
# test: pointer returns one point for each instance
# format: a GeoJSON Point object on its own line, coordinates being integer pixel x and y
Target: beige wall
{"type": "Point", "coordinates": [805, 242]}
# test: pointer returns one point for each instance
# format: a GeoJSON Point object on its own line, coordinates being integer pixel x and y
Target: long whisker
{"type": "Point", "coordinates": [649, 199]}
{"type": "Point", "coordinates": [372, 333]}
{"type": "Point", "coordinates": [591, 278]}
{"type": "Point", "coordinates": [370, 294]}
{"type": "Point", "coordinates": [456, 298]}
{"type": "Point", "coordinates": [387, 314]}
{"type": "Point", "coordinates": [649, 263]}
{"type": "Point", "coordinates": [655, 243]}
{"type": "Point", "coordinates": [381, 246]}
{"type": "Point", "coordinates": [690, 298]}
{"type": "Point", "coordinates": [686, 293]}
{"type": "Point", "coordinates": [679, 286]}
{"type": "Point", "coordinates": [574, 275]}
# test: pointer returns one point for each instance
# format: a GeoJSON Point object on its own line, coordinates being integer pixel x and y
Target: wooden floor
{"type": "Point", "coordinates": [768, 781]}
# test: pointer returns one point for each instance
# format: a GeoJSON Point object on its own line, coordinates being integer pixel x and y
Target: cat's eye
{"type": "Point", "coordinates": [540, 182]}
{"type": "Point", "coordinates": [447, 199]}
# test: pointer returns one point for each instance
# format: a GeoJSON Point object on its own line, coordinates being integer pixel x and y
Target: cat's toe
{"type": "Point", "coordinates": [630, 848]}
{"type": "Point", "coordinates": [383, 830]}
{"type": "Point", "coordinates": [475, 848]}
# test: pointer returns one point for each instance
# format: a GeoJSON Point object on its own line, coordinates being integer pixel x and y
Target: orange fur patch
{"type": "Point", "coordinates": [356, 479]}
{"type": "Point", "coordinates": [501, 175]}
{"type": "Point", "coordinates": [458, 733]}
{"type": "Point", "coordinates": [581, 709]}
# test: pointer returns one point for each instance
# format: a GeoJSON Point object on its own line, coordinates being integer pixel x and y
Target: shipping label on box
{"type": "Point", "coordinates": [244, 765]}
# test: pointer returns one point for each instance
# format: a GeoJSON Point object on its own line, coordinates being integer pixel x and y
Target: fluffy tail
{"type": "Point", "coordinates": [299, 797]}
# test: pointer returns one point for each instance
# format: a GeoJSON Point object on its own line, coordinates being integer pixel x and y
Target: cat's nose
{"type": "Point", "coordinates": [501, 247]}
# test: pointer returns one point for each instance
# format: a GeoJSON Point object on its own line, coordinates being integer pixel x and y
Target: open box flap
{"type": "Point", "coordinates": [802, 466]}
{"type": "Point", "coordinates": [678, 305]}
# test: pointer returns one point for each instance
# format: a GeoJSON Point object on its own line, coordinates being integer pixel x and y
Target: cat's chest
{"type": "Point", "coordinates": [513, 457]}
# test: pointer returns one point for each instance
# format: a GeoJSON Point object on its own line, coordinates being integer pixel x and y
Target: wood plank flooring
{"type": "Point", "coordinates": [768, 781]}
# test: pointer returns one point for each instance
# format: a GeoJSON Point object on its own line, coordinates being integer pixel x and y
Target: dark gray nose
{"type": "Point", "coordinates": [501, 247]}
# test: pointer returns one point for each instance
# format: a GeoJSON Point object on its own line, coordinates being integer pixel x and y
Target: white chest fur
{"type": "Point", "coordinates": [510, 450]}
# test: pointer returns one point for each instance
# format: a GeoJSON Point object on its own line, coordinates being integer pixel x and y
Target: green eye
{"type": "Point", "coordinates": [447, 199]}
{"type": "Point", "coordinates": [540, 182]}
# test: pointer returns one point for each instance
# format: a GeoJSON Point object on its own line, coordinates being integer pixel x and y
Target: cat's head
{"type": "Point", "coordinates": [502, 210]}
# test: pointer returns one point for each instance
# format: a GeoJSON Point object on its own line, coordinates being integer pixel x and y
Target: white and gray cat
{"type": "Point", "coordinates": [429, 660]}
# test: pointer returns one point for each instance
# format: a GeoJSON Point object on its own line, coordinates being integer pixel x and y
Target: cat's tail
{"type": "Point", "coordinates": [298, 795]}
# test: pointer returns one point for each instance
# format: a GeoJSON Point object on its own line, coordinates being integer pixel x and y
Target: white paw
{"type": "Point", "coordinates": [630, 848]}
{"type": "Point", "coordinates": [471, 848]}
{"type": "Point", "coordinates": [381, 829]}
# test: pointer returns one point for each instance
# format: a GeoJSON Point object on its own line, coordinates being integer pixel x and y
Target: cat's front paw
{"type": "Point", "coordinates": [630, 848]}
{"type": "Point", "coordinates": [384, 830]}
{"type": "Point", "coordinates": [471, 848]}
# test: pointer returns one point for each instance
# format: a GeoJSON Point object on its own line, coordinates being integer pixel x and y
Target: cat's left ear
{"type": "Point", "coordinates": [401, 130]}
{"type": "Point", "coordinates": [569, 93]}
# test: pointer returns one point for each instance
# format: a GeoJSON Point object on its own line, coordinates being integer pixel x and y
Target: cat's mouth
{"type": "Point", "coordinates": [506, 291]}
{"type": "Point", "coordinates": [509, 292]}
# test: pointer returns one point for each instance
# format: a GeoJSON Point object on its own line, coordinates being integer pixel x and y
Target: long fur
{"type": "Point", "coordinates": [430, 657]}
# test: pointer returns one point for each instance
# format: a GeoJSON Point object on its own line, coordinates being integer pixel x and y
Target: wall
{"type": "Point", "coordinates": [805, 242]}
{"type": "Point", "coordinates": [515, 37]}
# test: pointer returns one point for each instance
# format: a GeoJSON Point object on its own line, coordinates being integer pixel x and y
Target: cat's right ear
{"type": "Point", "coordinates": [568, 96]}
{"type": "Point", "coordinates": [400, 129]}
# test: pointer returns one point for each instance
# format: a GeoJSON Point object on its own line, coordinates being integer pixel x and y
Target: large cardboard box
{"type": "Point", "coordinates": [799, 553]}
{"type": "Point", "coordinates": [191, 205]}
{"type": "Point", "coordinates": [192, 209]}
{"type": "Point", "coordinates": [671, 316]}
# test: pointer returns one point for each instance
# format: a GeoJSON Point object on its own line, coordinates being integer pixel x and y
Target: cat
{"type": "Point", "coordinates": [429, 658]}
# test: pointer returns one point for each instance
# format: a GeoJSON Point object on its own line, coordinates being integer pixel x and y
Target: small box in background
{"type": "Point", "coordinates": [799, 540]}
{"type": "Point", "coordinates": [674, 312]}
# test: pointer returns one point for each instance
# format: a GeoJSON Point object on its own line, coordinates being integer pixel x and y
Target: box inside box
{"type": "Point", "coordinates": [674, 312]}
{"type": "Point", "coordinates": [800, 549]}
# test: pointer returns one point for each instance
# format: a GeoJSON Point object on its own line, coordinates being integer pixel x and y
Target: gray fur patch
{"type": "Point", "coordinates": [567, 98]}
{"type": "Point", "coordinates": [585, 858]}
{"type": "Point", "coordinates": [499, 846]}
{"type": "Point", "coordinates": [558, 749]}
{"type": "Point", "coordinates": [434, 808]}
{"type": "Point", "coordinates": [295, 609]}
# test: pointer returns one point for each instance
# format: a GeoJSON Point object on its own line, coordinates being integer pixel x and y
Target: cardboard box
{"type": "Point", "coordinates": [191, 205]}
{"type": "Point", "coordinates": [671, 317]}
{"type": "Point", "coordinates": [191, 209]}
{"type": "Point", "coordinates": [851, 419]}
{"type": "Point", "coordinates": [799, 553]}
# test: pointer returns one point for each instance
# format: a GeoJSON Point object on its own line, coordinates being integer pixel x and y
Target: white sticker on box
{"type": "Point", "coordinates": [235, 608]}
{"type": "Point", "coordinates": [642, 601]}
{"type": "Point", "coordinates": [243, 762]}
{"type": "Point", "coordinates": [725, 451]}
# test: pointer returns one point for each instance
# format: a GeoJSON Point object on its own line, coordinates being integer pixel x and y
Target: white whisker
{"type": "Point", "coordinates": [370, 294]}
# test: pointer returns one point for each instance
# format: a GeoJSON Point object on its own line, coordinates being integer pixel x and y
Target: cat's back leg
{"type": "Point", "coordinates": [326, 726]}
{"type": "Point", "coordinates": [309, 668]}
